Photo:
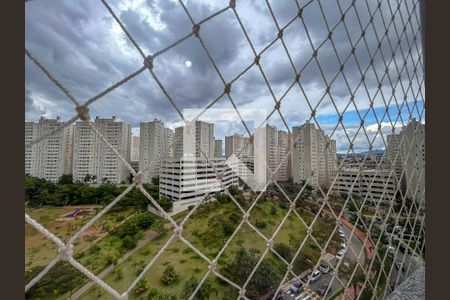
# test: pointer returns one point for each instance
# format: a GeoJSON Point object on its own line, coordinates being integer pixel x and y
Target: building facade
{"type": "Point", "coordinates": [194, 140]}
{"type": "Point", "coordinates": [92, 156]}
{"type": "Point", "coordinates": [134, 148]}
{"type": "Point", "coordinates": [406, 153]}
{"type": "Point", "coordinates": [155, 144]}
{"type": "Point", "coordinates": [188, 180]}
{"type": "Point", "coordinates": [218, 148]}
{"type": "Point", "coordinates": [374, 185]}
{"type": "Point", "coordinates": [314, 156]}
{"type": "Point", "coordinates": [238, 145]}
{"type": "Point", "coordinates": [51, 157]}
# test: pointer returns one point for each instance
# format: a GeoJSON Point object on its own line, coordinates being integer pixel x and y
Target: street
{"type": "Point", "coordinates": [354, 247]}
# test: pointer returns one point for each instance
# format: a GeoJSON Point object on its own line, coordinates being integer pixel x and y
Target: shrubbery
{"type": "Point", "coordinates": [40, 192]}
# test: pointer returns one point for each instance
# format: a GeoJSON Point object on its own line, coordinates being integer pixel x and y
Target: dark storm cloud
{"type": "Point", "coordinates": [84, 48]}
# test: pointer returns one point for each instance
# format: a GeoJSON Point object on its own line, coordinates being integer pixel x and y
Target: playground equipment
{"type": "Point", "coordinates": [74, 213]}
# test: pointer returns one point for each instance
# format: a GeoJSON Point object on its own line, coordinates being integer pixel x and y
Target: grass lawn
{"type": "Point", "coordinates": [40, 251]}
{"type": "Point", "coordinates": [207, 239]}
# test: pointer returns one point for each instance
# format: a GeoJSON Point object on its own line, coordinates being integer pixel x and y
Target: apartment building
{"type": "Point", "coordinates": [188, 180]}
{"type": "Point", "coordinates": [218, 148]}
{"type": "Point", "coordinates": [406, 151]}
{"type": "Point", "coordinates": [155, 144]}
{"type": "Point", "coordinates": [134, 148]}
{"type": "Point", "coordinates": [196, 140]}
{"type": "Point", "coordinates": [92, 156]}
{"type": "Point", "coordinates": [51, 157]}
{"type": "Point", "coordinates": [238, 145]}
{"type": "Point", "coordinates": [314, 156]}
{"type": "Point", "coordinates": [375, 185]}
{"type": "Point", "coordinates": [271, 146]}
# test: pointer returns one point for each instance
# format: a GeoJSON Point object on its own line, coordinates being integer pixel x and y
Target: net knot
{"type": "Point", "coordinates": [138, 178]}
{"type": "Point", "coordinates": [212, 266]}
{"type": "Point", "coordinates": [196, 30]}
{"type": "Point", "coordinates": [227, 88]}
{"type": "Point", "coordinates": [66, 252]}
{"type": "Point", "coordinates": [148, 62]}
{"type": "Point", "coordinates": [232, 4]}
{"type": "Point", "coordinates": [124, 296]}
{"type": "Point", "coordinates": [83, 112]}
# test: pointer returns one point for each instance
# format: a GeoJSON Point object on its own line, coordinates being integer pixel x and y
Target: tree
{"type": "Point", "coordinates": [154, 294]}
{"type": "Point", "coordinates": [273, 210]}
{"type": "Point", "coordinates": [129, 242]}
{"type": "Point", "coordinates": [189, 287]}
{"type": "Point", "coordinates": [66, 179]}
{"type": "Point", "coordinates": [87, 178]}
{"type": "Point", "coordinates": [234, 190]}
{"type": "Point", "coordinates": [141, 287]}
{"type": "Point", "coordinates": [283, 250]}
{"type": "Point", "coordinates": [261, 224]}
{"type": "Point", "coordinates": [130, 178]}
{"type": "Point", "coordinates": [169, 275]}
{"type": "Point", "coordinates": [155, 180]}
{"type": "Point", "coordinates": [165, 203]}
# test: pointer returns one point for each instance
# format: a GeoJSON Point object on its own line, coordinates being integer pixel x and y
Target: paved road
{"type": "Point", "coordinates": [354, 245]}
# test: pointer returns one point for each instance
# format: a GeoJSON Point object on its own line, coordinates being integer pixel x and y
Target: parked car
{"type": "Point", "coordinates": [402, 248]}
{"type": "Point", "coordinates": [340, 255]}
{"type": "Point", "coordinates": [390, 248]}
{"type": "Point", "coordinates": [314, 276]}
{"type": "Point", "coordinates": [343, 245]}
{"type": "Point", "coordinates": [322, 289]}
{"type": "Point", "coordinates": [297, 287]}
{"type": "Point", "coordinates": [324, 267]}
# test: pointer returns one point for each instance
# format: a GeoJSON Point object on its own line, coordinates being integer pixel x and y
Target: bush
{"type": "Point", "coordinates": [169, 275]}
{"type": "Point", "coordinates": [283, 250]}
{"type": "Point", "coordinates": [129, 242]}
{"type": "Point", "coordinates": [141, 287]}
{"type": "Point", "coordinates": [261, 224]}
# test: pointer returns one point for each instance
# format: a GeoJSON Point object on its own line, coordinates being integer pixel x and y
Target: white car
{"type": "Point", "coordinates": [314, 276]}
{"type": "Point", "coordinates": [391, 248]}
{"type": "Point", "coordinates": [340, 255]}
{"type": "Point", "coordinates": [324, 267]}
{"type": "Point", "coordinates": [343, 246]}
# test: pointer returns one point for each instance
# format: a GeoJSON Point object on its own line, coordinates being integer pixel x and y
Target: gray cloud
{"type": "Point", "coordinates": [85, 49]}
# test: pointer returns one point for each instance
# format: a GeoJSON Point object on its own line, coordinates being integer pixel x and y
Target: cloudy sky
{"type": "Point", "coordinates": [86, 50]}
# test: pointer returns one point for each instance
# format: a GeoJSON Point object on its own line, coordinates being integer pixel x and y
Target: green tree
{"type": "Point", "coordinates": [165, 203]}
{"type": "Point", "coordinates": [66, 179]}
{"type": "Point", "coordinates": [283, 250]}
{"type": "Point", "coordinates": [234, 190]}
{"type": "Point", "coordinates": [191, 284]}
{"type": "Point", "coordinates": [87, 178]}
{"type": "Point", "coordinates": [273, 210]}
{"type": "Point", "coordinates": [155, 180]}
{"type": "Point", "coordinates": [141, 287]}
{"type": "Point", "coordinates": [169, 275]}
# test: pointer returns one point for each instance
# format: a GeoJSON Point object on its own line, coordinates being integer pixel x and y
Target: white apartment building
{"type": "Point", "coordinates": [406, 151]}
{"type": "Point", "coordinates": [187, 180]}
{"type": "Point", "coordinates": [314, 156]}
{"type": "Point", "coordinates": [374, 184]}
{"type": "Point", "coordinates": [238, 145]}
{"type": "Point", "coordinates": [134, 148]}
{"type": "Point", "coordinates": [218, 148]}
{"type": "Point", "coordinates": [154, 140]}
{"type": "Point", "coordinates": [270, 148]}
{"type": "Point", "coordinates": [168, 141]}
{"type": "Point", "coordinates": [92, 156]}
{"type": "Point", "coordinates": [51, 157]}
{"type": "Point", "coordinates": [189, 138]}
